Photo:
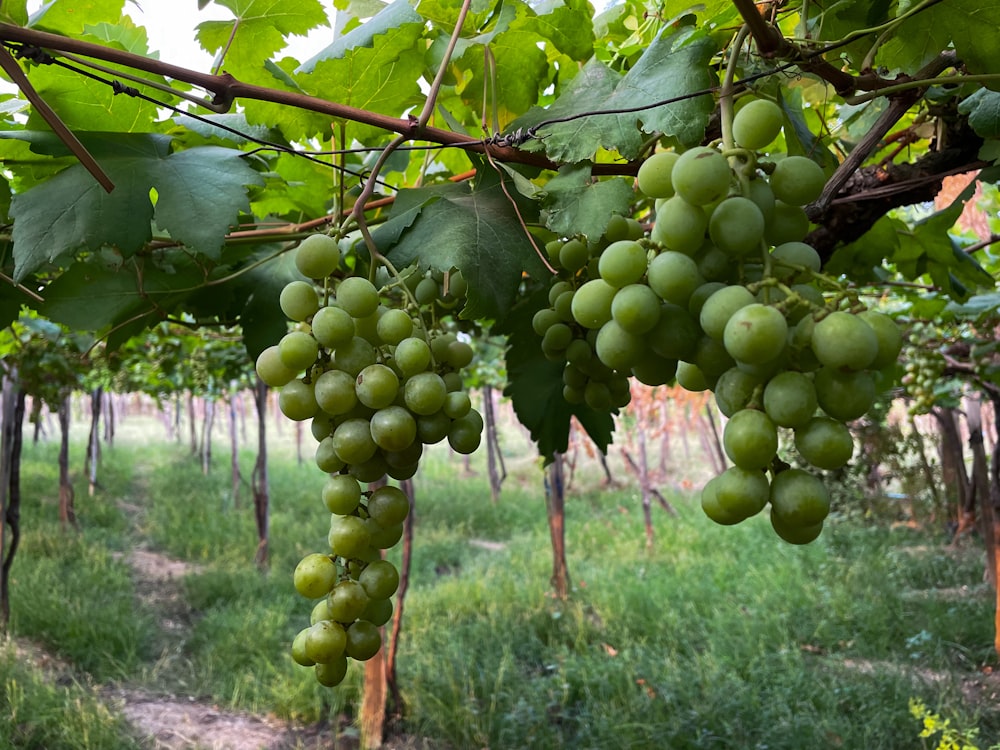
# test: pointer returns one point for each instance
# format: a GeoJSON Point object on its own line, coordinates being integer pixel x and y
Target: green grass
{"type": "Point", "coordinates": [714, 638]}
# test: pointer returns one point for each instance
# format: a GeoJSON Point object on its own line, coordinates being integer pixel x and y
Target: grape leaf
{"type": "Point", "coordinates": [471, 227]}
{"type": "Point", "coordinates": [388, 19]}
{"type": "Point", "coordinates": [69, 18]}
{"type": "Point", "coordinates": [578, 205]}
{"type": "Point", "coordinates": [535, 386]}
{"type": "Point", "coordinates": [200, 193]}
{"type": "Point", "coordinates": [569, 26]}
{"type": "Point", "coordinates": [261, 319]}
{"type": "Point", "coordinates": [983, 109]}
{"type": "Point", "coordinates": [15, 12]}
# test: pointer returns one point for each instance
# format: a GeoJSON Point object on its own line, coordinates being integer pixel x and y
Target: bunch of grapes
{"type": "Point", "coordinates": [924, 367]}
{"type": "Point", "coordinates": [725, 295]}
{"type": "Point", "coordinates": [377, 387]}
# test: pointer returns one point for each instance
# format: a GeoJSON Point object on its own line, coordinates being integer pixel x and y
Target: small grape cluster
{"type": "Point", "coordinates": [725, 295]}
{"type": "Point", "coordinates": [377, 387]}
{"type": "Point", "coordinates": [924, 367]}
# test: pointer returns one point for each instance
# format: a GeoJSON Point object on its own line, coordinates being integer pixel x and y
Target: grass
{"type": "Point", "coordinates": [714, 638]}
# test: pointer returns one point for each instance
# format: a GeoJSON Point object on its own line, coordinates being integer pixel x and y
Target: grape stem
{"type": "Point", "coordinates": [728, 90]}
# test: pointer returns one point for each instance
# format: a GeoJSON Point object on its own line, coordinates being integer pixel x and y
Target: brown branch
{"type": "Point", "coordinates": [12, 69]}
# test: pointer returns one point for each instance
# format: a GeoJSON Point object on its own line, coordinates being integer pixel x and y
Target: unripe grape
{"type": "Point", "coordinates": [842, 340]}
{"type": "Point", "coordinates": [317, 256]}
{"type": "Point", "coordinates": [333, 672]}
{"type": "Point", "coordinates": [376, 386]}
{"type": "Point", "coordinates": [788, 223]}
{"type": "Point", "coordinates": [622, 263]}
{"type": "Point", "coordinates": [335, 392]}
{"type": "Point", "coordinates": [844, 395]}
{"type": "Point", "coordinates": [380, 579]}
{"type": "Point", "coordinates": [736, 226]}
{"type": "Point", "coordinates": [298, 300]}
{"type": "Point", "coordinates": [756, 124]}
{"type": "Point", "coordinates": [755, 334]}
{"type": "Point", "coordinates": [742, 493]}
{"type": "Point", "coordinates": [795, 534]}
{"type": "Point", "coordinates": [734, 389]}
{"type": "Point", "coordinates": [354, 356]}
{"type": "Point", "coordinates": [347, 601]}
{"type": "Point", "coordinates": [353, 441]}
{"type": "Point", "coordinates": [710, 505]}
{"type": "Point", "coordinates": [701, 176]}
{"type": "Point", "coordinates": [676, 333]}
{"type": "Point", "coordinates": [393, 428]}
{"type": "Point", "coordinates": [797, 180]}
{"type": "Point", "coordinates": [349, 537]}
{"type": "Point", "coordinates": [297, 401]}
{"type": "Point", "coordinates": [425, 393]}
{"type": "Point", "coordinates": [394, 326]}
{"type": "Point", "coordinates": [299, 649]}
{"type": "Point", "coordinates": [690, 378]}
{"type": "Point", "coordinates": [378, 612]}
{"type": "Point", "coordinates": [332, 326]}
{"type": "Point", "coordinates": [617, 348]}
{"type": "Point", "coordinates": [680, 226]}
{"type": "Point", "coordinates": [592, 303]}
{"type": "Point", "coordinates": [363, 641]}
{"type": "Point", "coordinates": [272, 370]}
{"type": "Point", "coordinates": [890, 339]}
{"type": "Point", "coordinates": [653, 178]}
{"type": "Point", "coordinates": [341, 494]}
{"type": "Point", "coordinates": [636, 308]}
{"type": "Point", "coordinates": [719, 308]}
{"type": "Point", "coordinates": [325, 641]}
{"type": "Point", "coordinates": [298, 350]}
{"type": "Point", "coordinates": [388, 506]}
{"type": "Point", "coordinates": [824, 442]}
{"type": "Point", "coordinates": [674, 277]}
{"type": "Point", "coordinates": [357, 296]}
{"type": "Point", "coordinates": [574, 255]}
{"type": "Point", "coordinates": [799, 499]}
{"type": "Point", "coordinates": [790, 399]}
{"type": "Point", "coordinates": [314, 575]}
{"type": "Point", "coordinates": [412, 355]}
{"type": "Point", "coordinates": [750, 439]}
{"type": "Point", "coordinates": [794, 260]}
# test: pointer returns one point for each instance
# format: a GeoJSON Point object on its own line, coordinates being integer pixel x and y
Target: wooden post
{"type": "Point", "coordinates": [555, 505]}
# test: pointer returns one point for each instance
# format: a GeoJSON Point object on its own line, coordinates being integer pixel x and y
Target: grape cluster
{"type": "Point", "coordinates": [724, 294]}
{"type": "Point", "coordinates": [377, 387]}
{"type": "Point", "coordinates": [924, 367]}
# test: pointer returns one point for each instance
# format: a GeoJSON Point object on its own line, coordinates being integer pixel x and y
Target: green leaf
{"type": "Point", "coordinates": [578, 205]}
{"type": "Point", "coordinates": [123, 34]}
{"type": "Point", "coordinates": [14, 12]}
{"type": "Point", "coordinates": [261, 319]}
{"type": "Point", "coordinates": [570, 29]}
{"type": "Point", "coordinates": [390, 18]}
{"type": "Point", "coordinates": [470, 227]}
{"type": "Point", "coordinates": [983, 109]}
{"type": "Point", "coordinates": [201, 192]}
{"type": "Point", "coordinates": [535, 387]}
{"type": "Point", "coordinates": [69, 19]}
{"type": "Point", "coordinates": [261, 28]}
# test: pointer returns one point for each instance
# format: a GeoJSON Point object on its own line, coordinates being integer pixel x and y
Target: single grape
{"type": "Point", "coordinates": [377, 386]}
{"type": "Point", "coordinates": [750, 439]}
{"type": "Point", "coordinates": [674, 277]}
{"type": "Point", "coordinates": [341, 493]}
{"type": "Point", "coordinates": [591, 305]}
{"type": "Point", "coordinates": [464, 436]}
{"type": "Point", "coordinates": [394, 326]}
{"type": "Point", "coordinates": [622, 263]}
{"type": "Point", "coordinates": [326, 457]}
{"type": "Point", "coordinates": [734, 389]}
{"type": "Point", "coordinates": [347, 601]}
{"type": "Point", "coordinates": [272, 370]}
{"type": "Point", "coordinates": [676, 333]}
{"type": "Point", "coordinates": [790, 399]}
{"type": "Point", "coordinates": [353, 441]}
{"type": "Point", "coordinates": [736, 226]}
{"type": "Point", "coordinates": [710, 505]}
{"type": "Point", "coordinates": [379, 579]}
{"type": "Point", "coordinates": [719, 308]}
{"type": "Point", "coordinates": [433, 428]}
{"type": "Point", "coordinates": [844, 395]}
{"type": "Point", "coordinates": [890, 339]}
{"type": "Point", "coordinates": [799, 498]}
{"type": "Point", "coordinates": [317, 256]}
{"type": "Point", "coordinates": [378, 612]}
{"type": "Point", "coordinates": [824, 442]}
{"type": "Point", "coordinates": [297, 401]}
{"type": "Point", "coordinates": [335, 392]}
{"type": "Point", "coordinates": [314, 575]}
{"type": "Point", "coordinates": [393, 428]}
{"type": "Point", "coordinates": [756, 124]}
{"type": "Point", "coordinates": [299, 649]}
{"type": "Point", "coordinates": [388, 506]}
{"type": "Point", "coordinates": [653, 370]}
{"type": "Point", "coordinates": [680, 226]}
{"type": "Point", "coordinates": [298, 350]}
{"type": "Point", "coordinates": [424, 393]}
{"type": "Point", "coordinates": [412, 355]}
{"type": "Point", "coordinates": [690, 378]}
{"type": "Point", "coordinates": [363, 641]}
{"type": "Point", "coordinates": [333, 326]}
{"type": "Point", "coordinates": [844, 341]}
{"type": "Point", "coordinates": [427, 291]}
{"type": "Point", "coordinates": [795, 534]}
{"type": "Point", "coordinates": [755, 334]}
{"type": "Point", "coordinates": [325, 641]}
{"type": "Point", "coordinates": [617, 348]}
{"type": "Point", "coordinates": [636, 308]}
{"type": "Point", "coordinates": [358, 296]}
{"type": "Point", "coordinates": [349, 537]}
{"type": "Point", "coordinates": [653, 178]}
{"type": "Point", "coordinates": [741, 493]}
{"type": "Point", "coordinates": [354, 356]}
{"type": "Point", "coordinates": [797, 180]}
{"type": "Point", "coordinates": [333, 672]}
{"type": "Point", "coordinates": [701, 175]}
{"type": "Point", "coordinates": [574, 255]}
{"type": "Point", "coordinates": [794, 261]}
{"type": "Point", "coordinates": [787, 224]}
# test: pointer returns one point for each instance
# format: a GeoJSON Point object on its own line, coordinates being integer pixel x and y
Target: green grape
{"type": "Point", "coordinates": [353, 441]}
{"type": "Point", "coordinates": [458, 355]}
{"type": "Point", "coordinates": [622, 263]}
{"type": "Point", "coordinates": [674, 277]}
{"type": "Point", "coordinates": [424, 393]}
{"type": "Point", "coordinates": [377, 386]}
{"type": "Point", "coordinates": [358, 297]}
{"type": "Point", "coordinates": [736, 226]}
{"type": "Point", "coordinates": [719, 308]}
{"type": "Point", "coordinates": [326, 457]}
{"type": "Point", "coordinates": [298, 300]}
{"type": "Point", "coordinates": [299, 649]}
{"type": "Point", "coordinates": [325, 641]}
{"type": "Point", "coordinates": [367, 327]}
{"type": "Point", "coordinates": [741, 493]}
{"type": "Point", "coordinates": [453, 382]}
{"type": "Point", "coordinates": [405, 457]}
{"type": "Point", "coordinates": [617, 348]}
{"type": "Point", "coordinates": [794, 261]}
{"type": "Point", "coordinates": [314, 575]}
{"type": "Point", "coordinates": [297, 401]}
{"type": "Point", "coordinates": [379, 579]}
{"type": "Point", "coordinates": [378, 612]}
{"type": "Point", "coordinates": [574, 255]}
{"type": "Point", "coordinates": [844, 395]}
{"type": "Point", "coordinates": [787, 224]}
{"type": "Point", "coordinates": [756, 124]}
{"type": "Point", "coordinates": [676, 333]}
{"type": "Point", "coordinates": [458, 286]}
{"type": "Point", "coordinates": [890, 339]}
{"type": "Point", "coordinates": [349, 536]}
{"type": "Point", "coordinates": [393, 428]}
{"type": "Point", "coordinates": [558, 288]}
{"type": "Point", "coordinates": [335, 392]}
{"type": "Point", "coordinates": [347, 601]}
{"type": "Point", "coordinates": [701, 176]}
{"type": "Point", "coordinates": [700, 295]}
{"type": "Point", "coordinates": [793, 534]}
{"type": "Point", "coordinates": [317, 256]}
{"type": "Point", "coordinates": [555, 341]}
{"type": "Point", "coordinates": [734, 389]}
{"type": "Point", "coordinates": [433, 428]}
{"type": "Point", "coordinates": [321, 425]}
{"type": "Point", "coordinates": [320, 612]}
{"type": "Point", "coordinates": [690, 378]}
{"type": "Point", "coordinates": [844, 341]}
{"type": "Point", "coordinates": [298, 350]}
{"type": "Point", "coordinates": [790, 399]}
{"type": "Point", "coordinates": [573, 395]}
{"type": "Point", "coordinates": [713, 264]}
{"type": "Point", "coordinates": [592, 303]}
{"type": "Point", "coordinates": [363, 641]}
{"type": "Point", "coordinates": [394, 326]}
{"type": "Point", "coordinates": [384, 538]}
{"type": "Point", "coordinates": [680, 226]}
{"type": "Point", "coordinates": [439, 345]}
{"type": "Point", "coordinates": [272, 370]}
{"type": "Point", "coordinates": [653, 178]}
{"type": "Point", "coordinates": [824, 442]}
{"type": "Point", "coordinates": [463, 436]}
{"type": "Point", "coordinates": [427, 291]}
{"type": "Point", "coordinates": [750, 439]}
{"type": "Point", "coordinates": [710, 505]}
{"type": "Point", "coordinates": [755, 334]}
{"type": "Point", "coordinates": [762, 195]}
{"type": "Point", "coordinates": [333, 326]}
{"type": "Point", "coordinates": [797, 180]}
{"type": "Point", "coordinates": [563, 306]}
{"type": "Point", "coordinates": [354, 356]}
{"type": "Point", "coordinates": [341, 494]}
{"type": "Point", "coordinates": [388, 506]}
{"type": "Point", "coordinates": [412, 355]}
{"type": "Point", "coordinates": [597, 396]}
{"type": "Point", "coordinates": [333, 672]}
{"type": "Point", "coordinates": [636, 308]}
{"type": "Point", "coordinates": [653, 370]}
{"type": "Point", "coordinates": [712, 359]}
{"type": "Point", "coordinates": [457, 404]}
{"type": "Point", "coordinates": [799, 498]}
{"type": "Point", "coordinates": [544, 319]}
